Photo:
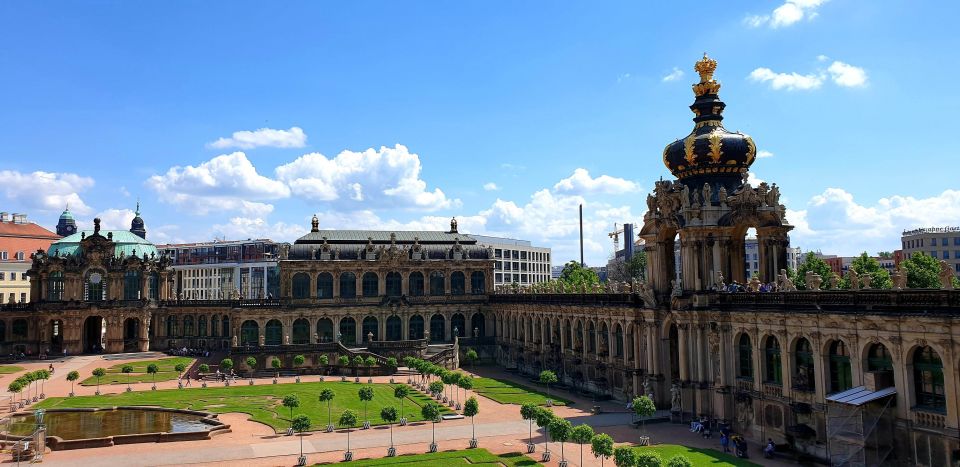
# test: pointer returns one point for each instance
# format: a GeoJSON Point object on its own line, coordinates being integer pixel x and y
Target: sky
{"type": "Point", "coordinates": [244, 119]}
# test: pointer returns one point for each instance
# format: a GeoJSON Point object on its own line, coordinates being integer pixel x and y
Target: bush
{"type": "Point", "coordinates": [679, 460]}
{"type": "Point", "coordinates": [648, 459]}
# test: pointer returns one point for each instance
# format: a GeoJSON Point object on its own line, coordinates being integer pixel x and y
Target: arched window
{"type": "Point", "coordinates": [478, 326]}
{"type": "Point", "coordinates": [325, 329]}
{"type": "Point", "coordinates": [394, 284]}
{"type": "Point", "coordinates": [249, 332]}
{"type": "Point", "coordinates": [131, 285]}
{"type": "Point", "coordinates": [805, 379]}
{"type": "Point", "coordinates": [348, 285]}
{"type": "Point", "coordinates": [54, 286]}
{"type": "Point", "coordinates": [202, 326]}
{"type": "Point", "coordinates": [325, 285]}
{"type": "Point", "coordinates": [437, 330]}
{"type": "Point", "coordinates": [225, 326]}
{"type": "Point", "coordinates": [618, 341]}
{"type": "Point", "coordinates": [369, 329]}
{"type": "Point", "coordinates": [301, 331]}
{"type": "Point", "coordinates": [928, 379]}
{"type": "Point", "coordinates": [348, 331]}
{"type": "Point", "coordinates": [394, 329]}
{"type": "Point", "coordinates": [20, 327]}
{"type": "Point", "coordinates": [437, 287]}
{"type": "Point", "coordinates": [879, 359]}
{"type": "Point", "coordinates": [841, 377]}
{"type": "Point", "coordinates": [171, 326]}
{"type": "Point", "coordinates": [301, 285]}
{"type": "Point", "coordinates": [772, 364]}
{"type": "Point", "coordinates": [188, 325]}
{"type": "Point", "coordinates": [273, 334]}
{"type": "Point", "coordinates": [94, 287]}
{"type": "Point", "coordinates": [153, 282]}
{"type": "Point", "coordinates": [457, 283]}
{"type": "Point", "coordinates": [416, 284]}
{"type": "Point", "coordinates": [215, 326]}
{"type": "Point", "coordinates": [371, 284]}
{"type": "Point", "coordinates": [416, 327]}
{"type": "Point", "coordinates": [591, 338]}
{"type": "Point", "coordinates": [478, 283]}
{"type": "Point", "coordinates": [458, 325]}
{"type": "Point", "coordinates": [745, 356]}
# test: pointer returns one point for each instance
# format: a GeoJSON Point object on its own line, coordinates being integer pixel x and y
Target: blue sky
{"type": "Point", "coordinates": [399, 115]}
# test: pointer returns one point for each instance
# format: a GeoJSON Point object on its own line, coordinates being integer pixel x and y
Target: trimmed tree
{"type": "Point", "coordinates": [251, 364]}
{"type": "Point", "coordinates": [392, 364]}
{"type": "Point", "coordinates": [465, 382]}
{"type": "Point", "coordinates": [204, 368]}
{"type": "Point", "coordinates": [297, 363]}
{"type": "Point", "coordinates": [547, 378]}
{"type": "Point", "coordinates": [73, 376]}
{"type": "Point", "coordinates": [16, 387]}
{"type": "Point", "coordinates": [528, 412]}
{"type": "Point", "coordinates": [472, 357]}
{"type": "Point", "coordinates": [301, 424]}
{"type": "Point", "coordinates": [602, 446]}
{"type": "Point", "coordinates": [226, 365]}
{"type": "Point", "coordinates": [581, 434]}
{"type": "Point", "coordinates": [401, 392]}
{"type": "Point", "coordinates": [127, 369]}
{"type": "Point", "coordinates": [179, 368]}
{"type": "Point", "coordinates": [470, 409]}
{"type": "Point", "coordinates": [323, 360]}
{"type": "Point", "coordinates": [647, 458]}
{"type": "Point", "coordinates": [543, 418]}
{"type": "Point", "coordinates": [327, 395]}
{"type": "Point", "coordinates": [357, 363]}
{"type": "Point", "coordinates": [679, 460]}
{"type": "Point", "coordinates": [625, 456]}
{"type": "Point", "coordinates": [43, 375]}
{"type": "Point", "coordinates": [369, 362]}
{"type": "Point", "coordinates": [99, 373]}
{"type": "Point", "coordinates": [389, 415]}
{"type": "Point", "coordinates": [347, 420]}
{"type": "Point", "coordinates": [644, 408]}
{"type": "Point", "coordinates": [436, 387]}
{"type": "Point", "coordinates": [560, 429]}
{"type": "Point", "coordinates": [366, 395]}
{"type": "Point", "coordinates": [343, 361]}
{"type": "Point", "coordinates": [431, 411]}
{"type": "Point", "coordinates": [153, 369]}
{"type": "Point", "coordinates": [291, 401]}
{"type": "Point", "coordinates": [276, 364]}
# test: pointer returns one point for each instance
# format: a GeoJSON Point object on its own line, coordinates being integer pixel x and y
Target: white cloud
{"type": "Point", "coordinates": [388, 177]}
{"type": "Point", "coordinates": [789, 13]}
{"type": "Point", "coordinates": [227, 182]}
{"type": "Point", "coordinates": [822, 58]}
{"type": "Point", "coordinates": [292, 138]}
{"type": "Point", "coordinates": [258, 227]}
{"type": "Point", "coordinates": [581, 183]}
{"type": "Point", "coordinates": [788, 81]}
{"type": "Point", "coordinates": [847, 75]}
{"type": "Point", "coordinates": [115, 219]}
{"type": "Point", "coordinates": [836, 223]}
{"type": "Point", "coordinates": [763, 154]}
{"type": "Point", "coordinates": [46, 191]}
{"type": "Point", "coordinates": [490, 186]}
{"type": "Point", "coordinates": [673, 75]}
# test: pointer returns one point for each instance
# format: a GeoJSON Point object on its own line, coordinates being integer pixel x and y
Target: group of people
{"type": "Point", "coordinates": [735, 287]}
{"type": "Point", "coordinates": [185, 352]}
{"type": "Point", "coordinates": [739, 443]}
{"type": "Point", "coordinates": [701, 426]}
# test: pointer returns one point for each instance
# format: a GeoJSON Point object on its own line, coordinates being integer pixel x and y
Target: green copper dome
{"type": "Point", "coordinates": [124, 243]}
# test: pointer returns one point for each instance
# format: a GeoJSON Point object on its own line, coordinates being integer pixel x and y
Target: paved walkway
{"type": "Point", "coordinates": [498, 427]}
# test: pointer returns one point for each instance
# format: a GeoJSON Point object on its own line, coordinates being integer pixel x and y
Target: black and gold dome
{"type": "Point", "coordinates": [710, 153]}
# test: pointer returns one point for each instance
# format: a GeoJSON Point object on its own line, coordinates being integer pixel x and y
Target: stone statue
{"type": "Point", "coordinates": [647, 387]}
{"type": "Point", "coordinates": [284, 252]}
{"type": "Point", "coordinates": [651, 205]}
{"type": "Point", "coordinates": [854, 279]}
{"type": "Point", "coordinates": [946, 276]}
{"type": "Point", "coordinates": [675, 401]}
{"type": "Point", "coordinates": [812, 280]}
{"type": "Point", "coordinates": [784, 283]}
{"type": "Point", "coordinates": [677, 288]}
{"type": "Point", "coordinates": [722, 195]}
{"type": "Point", "coordinates": [235, 340]}
{"type": "Point", "coordinates": [834, 281]}
{"type": "Point", "coordinates": [707, 194]}
{"type": "Point", "coordinates": [754, 284]}
{"type": "Point", "coordinates": [762, 192]}
{"type": "Point", "coordinates": [685, 196]}
{"type": "Point", "coordinates": [773, 196]}
{"type": "Point", "coordinates": [263, 340]}
{"type": "Point", "coordinates": [720, 285]}
{"type": "Point", "coordinates": [899, 279]}
{"type": "Point", "coordinates": [647, 295]}
{"type": "Point", "coordinates": [865, 281]}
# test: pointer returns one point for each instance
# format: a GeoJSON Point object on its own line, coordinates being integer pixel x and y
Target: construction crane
{"type": "Point", "coordinates": [615, 235]}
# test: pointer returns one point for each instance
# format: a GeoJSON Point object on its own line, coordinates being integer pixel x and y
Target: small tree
{"type": "Point", "coordinates": [560, 430]}
{"type": "Point", "coordinates": [179, 368]}
{"type": "Point", "coordinates": [449, 378]}
{"type": "Point", "coordinates": [301, 424]}
{"type": "Point", "coordinates": [392, 364]}
{"type": "Point", "coordinates": [15, 387]}
{"type": "Point", "coordinates": [127, 369]}
{"type": "Point", "coordinates": [366, 395]}
{"type": "Point", "coordinates": [470, 409]}
{"type": "Point", "coordinates": [436, 387]}
{"type": "Point", "coordinates": [369, 362]}
{"type": "Point", "coordinates": [43, 376]}
{"type": "Point", "coordinates": [465, 382]}
{"type": "Point", "coordinates": [602, 446]}
{"type": "Point", "coordinates": [291, 401]}
{"type": "Point", "coordinates": [347, 420]}
{"type": "Point", "coordinates": [276, 364]}
{"type": "Point", "coordinates": [547, 378]}
{"type": "Point", "coordinates": [343, 361]}
{"type": "Point", "coordinates": [644, 408]}
{"type": "Point", "coordinates": [581, 434]}
{"type": "Point", "coordinates": [72, 377]}
{"type": "Point", "coordinates": [204, 368]}
{"type": "Point", "coordinates": [543, 418]}
{"type": "Point", "coordinates": [389, 415]}
{"type": "Point", "coordinates": [226, 365]}
{"type": "Point", "coordinates": [152, 369]}
{"type": "Point", "coordinates": [99, 373]}
{"type": "Point", "coordinates": [324, 360]}
{"type": "Point", "coordinates": [251, 364]}
{"type": "Point", "coordinates": [528, 412]}
{"type": "Point", "coordinates": [472, 357]}
{"type": "Point", "coordinates": [431, 411]}
{"type": "Point", "coordinates": [625, 456]}
{"type": "Point", "coordinates": [923, 271]}
{"type": "Point", "coordinates": [679, 460]}
{"type": "Point", "coordinates": [327, 395]}
{"type": "Point", "coordinates": [298, 362]}
{"type": "Point", "coordinates": [357, 363]}
{"type": "Point", "coordinates": [401, 392]}
{"type": "Point", "coordinates": [647, 458]}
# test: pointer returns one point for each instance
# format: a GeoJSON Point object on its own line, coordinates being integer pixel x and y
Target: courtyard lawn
{"type": "Point", "coordinates": [7, 369]}
{"type": "Point", "coordinates": [140, 375]}
{"type": "Point", "coordinates": [698, 456]}
{"type": "Point", "coordinates": [262, 401]}
{"type": "Point", "coordinates": [508, 392]}
{"type": "Point", "coordinates": [480, 457]}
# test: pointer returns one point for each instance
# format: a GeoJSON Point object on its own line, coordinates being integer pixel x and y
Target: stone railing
{"type": "Point", "coordinates": [928, 419]}
{"type": "Point", "coordinates": [247, 303]}
{"type": "Point", "coordinates": [773, 390]}
{"type": "Point", "coordinates": [744, 384]}
{"type": "Point", "coordinates": [927, 299]}
{"type": "Point", "coordinates": [597, 299]}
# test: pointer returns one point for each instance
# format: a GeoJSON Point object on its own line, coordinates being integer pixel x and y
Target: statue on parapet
{"type": "Point", "coordinates": [812, 280]}
{"type": "Point", "coordinates": [865, 280]}
{"type": "Point", "coordinates": [719, 285]}
{"type": "Point", "coordinates": [647, 294]}
{"type": "Point", "coordinates": [784, 282]}
{"type": "Point", "coordinates": [899, 278]}
{"type": "Point", "coordinates": [946, 276]}
{"type": "Point", "coordinates": [834, 281]}
{"type": "Point", "coordinates": [854, 279]}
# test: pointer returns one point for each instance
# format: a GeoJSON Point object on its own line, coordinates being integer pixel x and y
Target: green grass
{"type": "Point", "coordinates": [7, 369]}
{"type": "Point", "coordinates": [140, 375]}
{"type": "Point", "coordinates": [698, 456]}
{"type": "Point", "coordinates": [480, 457]}
{"type": "Point", "coordinates": [262, 402]}
{"type": "Point", "coordinates": [508, 392]}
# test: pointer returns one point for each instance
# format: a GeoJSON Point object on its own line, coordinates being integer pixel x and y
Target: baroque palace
{"type": "Point", "coordinates": [856, 377]}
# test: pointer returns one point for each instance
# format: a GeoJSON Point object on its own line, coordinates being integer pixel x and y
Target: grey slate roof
{"type": "Point", "coordinates": [383, 237]}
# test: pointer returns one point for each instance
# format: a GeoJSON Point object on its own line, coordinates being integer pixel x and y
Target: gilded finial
{"type": "Point", "coordinates": [705, 67]}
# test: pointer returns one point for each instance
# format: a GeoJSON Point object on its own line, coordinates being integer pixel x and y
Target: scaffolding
{"type": "Point", "coordinates": [860, 427]}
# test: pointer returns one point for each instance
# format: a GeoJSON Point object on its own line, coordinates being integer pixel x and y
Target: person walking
{"type": "Point", "coordinates": [725, 442]}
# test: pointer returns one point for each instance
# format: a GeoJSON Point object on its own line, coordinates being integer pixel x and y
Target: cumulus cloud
{"type": "Point", "coordinates": [788, 81]}
{"type": "Point", "coordinates": [259, 227]}
{"type": "Point", "coordinates": [673, 75]}
{"type": "Point", "coordinates": [834, 222]}
{"type": "Point", "coordinates": [115, 219]}
{"type": "Point", "coordinates": [581, 183]}
{"type": "Point", "coordinates": [847, 75]}
{"type": "Point", "coordinates": [46, 191]}
{"type": "Point", "coordinates": [388, 177]}
{"type": "Point", "coordinates": [269, 137]}
{"type": "Point", "coordinates": [789, 13]}
{"type": "Point", "coordinates": [762, 154]}
{"type": "Point", "coordinates": [490, 186]}
{"type": "Point", "coordinates": [228, 182]}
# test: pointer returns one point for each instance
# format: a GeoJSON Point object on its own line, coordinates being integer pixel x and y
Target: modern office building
{"type": "Point", "coordinates": [942, 243]}
{"type": "Point", "coordinates": [517, 261]}
{"type": "Point", "coordinates": [224, 269]}
{"type": "Point", "coordinates": [18, 239]}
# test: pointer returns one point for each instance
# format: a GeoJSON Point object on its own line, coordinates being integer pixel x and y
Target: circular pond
{"type": "Point", "coordinates": [75, 425]}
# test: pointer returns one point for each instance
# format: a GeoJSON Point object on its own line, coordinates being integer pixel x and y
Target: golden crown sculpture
{"type": "Point", "coordinates": [705, 67]}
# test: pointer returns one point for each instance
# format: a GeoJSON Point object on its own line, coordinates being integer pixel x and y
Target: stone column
{"type": "Point", "coordinates": [684, 351]}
